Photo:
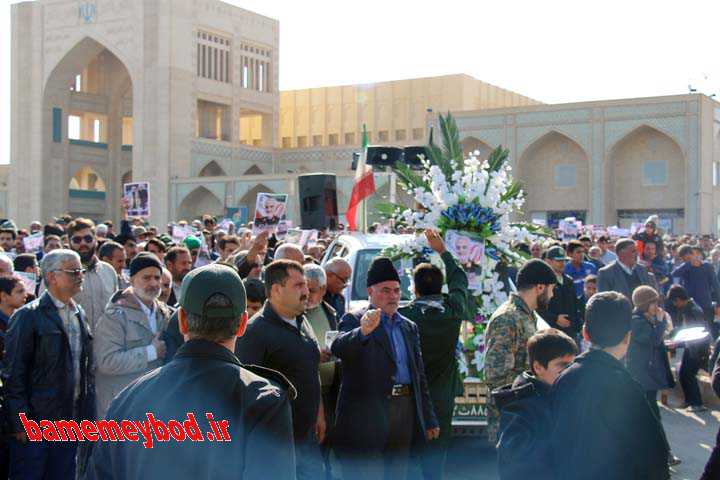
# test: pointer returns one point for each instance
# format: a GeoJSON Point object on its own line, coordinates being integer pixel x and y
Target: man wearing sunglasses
{"type": "Point", "coordinates": [100, 278]}
{"type": "Point", "coordinates": [49, 371]}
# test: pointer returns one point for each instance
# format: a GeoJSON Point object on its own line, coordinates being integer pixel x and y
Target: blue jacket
{"type": "Point", "coordinates": [367, 381]}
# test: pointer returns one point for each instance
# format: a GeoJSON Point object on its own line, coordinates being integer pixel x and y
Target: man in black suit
{"type": "Point", "coordinates": [384, 399]}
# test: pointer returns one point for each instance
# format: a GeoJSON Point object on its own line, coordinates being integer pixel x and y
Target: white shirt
{"type": "Point", "coordinates": [627, 269]}
{"type": "Point", "coordinates": [152, 320]}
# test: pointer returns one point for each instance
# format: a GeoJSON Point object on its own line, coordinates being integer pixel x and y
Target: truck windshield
{"type": "Point", "coordinates": [362, 264]}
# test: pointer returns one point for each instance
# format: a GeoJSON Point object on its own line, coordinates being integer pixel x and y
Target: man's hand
{"type": "Point", "coordinates": [369, 322]}
{"type": "Point", "coordinates": [325, 355]}
{"type": "Point", "coordinates": [320, 425]}
{"type": "Point", "coordinates": [432, 433]}
{"type": "Point", "coordinates": [563, 321]}
{"type": "Point", "coordinates": [21, 437]}
{"type": "Point", "coordinates": [124, 206]}
{"type": "Point", "coordinates": [260, 243]}
{"type": "Point", "coordinates": [159, 345]}
{"type": "Point", "coordinates": [435, 241]}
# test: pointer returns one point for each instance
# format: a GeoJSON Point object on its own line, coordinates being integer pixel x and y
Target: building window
{"type": "Point", "coordinates": [716, 174]}
{"type": "Point", "coordinates": [302, 141]}
{"type": "Point", "coordinates": [400, 135]}
{"type": "Point", "coordinates": [333, 139]}
{"type": "Point", "coordinates": [213, 60]}
{"type": "Point", "coordinates": [383, 136]}
{"type": "Point", "coordinates": [654, 173]}
{"type": "Point", "coordinates": [213, 120]}
{"type": "Point", "coordinates": [565, 176]}
{"type": "Point", "coordinates": [418, 133]}
{"type": "Point", "coordinates": [73, 127]}
{"type": "Point", "coordinates": [349, 139]}
{"type": "Point", "coordinates": [317, 140]}
{"type": "Point", "coordinates": [286, 142]}
{"type": "Point", "coordinates": [255, 68]}
{"type": "Point", "coordinates": [77, 85]}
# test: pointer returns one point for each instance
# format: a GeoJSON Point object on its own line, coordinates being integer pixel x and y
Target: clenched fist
{"type": "Point", "coordinates": [369, 321]}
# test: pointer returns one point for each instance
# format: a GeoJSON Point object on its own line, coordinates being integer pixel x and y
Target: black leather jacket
{"type": "Point", "coordinates": [38, 374]}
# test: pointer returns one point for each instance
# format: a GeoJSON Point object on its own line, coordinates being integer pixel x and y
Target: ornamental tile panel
{"type": "Point", "coordinates": [649, 110]}
{"type": "Point", "coordinates": [553, 117]}
{"type": "Point", "coordinates": [674, 127]}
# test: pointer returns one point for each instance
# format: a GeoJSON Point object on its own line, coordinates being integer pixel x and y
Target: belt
{"type": "Point", "coordinates": [401, 390]}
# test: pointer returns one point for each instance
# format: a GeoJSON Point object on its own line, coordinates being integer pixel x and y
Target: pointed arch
{"type": "Point", "coordinates": [199, 202]}
{"type": "Point", "coordinates": [250, 198]}
{"type": "Point", "coordinates": [254, 170]}
{"type": "Point", "coordinates": [87, 179]}
{"type": "Point", "coordinates": [473, 144]}
{"type": "Point", "coordinates": [212, 169]}
{"type": "Point", "coordinates": [646, 167]}
{"type": "Point", "coordinates": [127, 177]}
{"type": "Point", "coordinates": [555, 173]}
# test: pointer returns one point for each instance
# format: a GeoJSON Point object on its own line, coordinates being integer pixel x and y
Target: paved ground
{"type": "Point", "coordinates": [692, 437]}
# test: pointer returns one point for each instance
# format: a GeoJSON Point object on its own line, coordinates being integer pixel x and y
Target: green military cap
{"type": "Point", "coordinates": [204, 282]}
{"type": "Point", "coordinates": [191, 242]}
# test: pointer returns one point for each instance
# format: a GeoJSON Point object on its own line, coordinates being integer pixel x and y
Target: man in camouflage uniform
{"type": "Point", "coordinates": [509, 329]}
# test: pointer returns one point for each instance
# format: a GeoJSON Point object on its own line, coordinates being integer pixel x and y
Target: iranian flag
{"type": "Point", "coordinates": [363, 187]}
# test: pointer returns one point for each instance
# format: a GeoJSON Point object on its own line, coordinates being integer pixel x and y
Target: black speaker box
{"type": "Point", "coordinates": [318, 201]}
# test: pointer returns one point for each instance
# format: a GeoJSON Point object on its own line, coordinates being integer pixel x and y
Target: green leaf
{"type": "Point", "coordinates": [452, 148]}
{"type": "Point", "coordinates": [388, 209]}
{"type": "Point", "coordinates": [408, 178]}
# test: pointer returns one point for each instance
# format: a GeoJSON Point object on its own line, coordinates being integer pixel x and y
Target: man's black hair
{"type": "Point", "coordinates": [23, 261]}
{"type": "Point", "coordinates": [547, 345]}
{"type": "Point", "coordinates": [607, 318]}
{"type": "Point", "coordinates": [108, 248]}
{"type": "Point", "coordinates": [254, 290]}
{"type": "Point", "coordinates": [677, 292]}
{"type": "Point", "coordinates": [428, 279]}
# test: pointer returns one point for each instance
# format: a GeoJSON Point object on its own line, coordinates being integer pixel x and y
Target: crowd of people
{"type": "Point", "coordinates": [253, 330]}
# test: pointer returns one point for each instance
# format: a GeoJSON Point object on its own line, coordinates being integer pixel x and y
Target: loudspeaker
{"type": "Point", "coordinates": [318, 201]}
{"type": "Point", "coordinates": [411, 156]}
{"type": "Point", "coordinates": [384, 156]}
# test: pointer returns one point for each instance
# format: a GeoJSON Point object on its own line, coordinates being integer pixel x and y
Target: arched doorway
{"type": "Point", "coordinates": [85, 101]}
{"type": "Point", "coordinates": [646, 168]}
{"type": "Point", "coordinates": [472, 145]}
{"type": "Point", "coordinates": [250, 198]}
{"type": "Point", "coordinates": [199, 202]}
{"type": "Point", "coordinates": [555, 174]}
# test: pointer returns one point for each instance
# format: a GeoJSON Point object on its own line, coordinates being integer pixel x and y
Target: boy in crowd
{"type": "Point", "coordinates": [603, 424]}
{"type": "Point", "coordinates": [525, 421]}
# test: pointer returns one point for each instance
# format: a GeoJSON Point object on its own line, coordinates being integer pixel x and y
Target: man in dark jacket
{"type": "Point", "coordinates": [686, 313]}
{"type": "Point", "coordinates": [49, 372]}
{"type": "Point", "coordinates": [280, 337]}
{"type": "Point", "coordinates": [384, 398]}
{"type": "Point", "coordinates": [563, 310]}
{"type": "Point", "coordinates": [525, 416]}
{"type": "Point", "coordinates": [699, 279]}
{"type": "Point", "coordinates": [438, 318]}
{"type": "Point", "coordinates": [712, 468]}
{"type": "Point", "coordinates": [604, 426]}
{"type": "Point", "coordinates": [205, 376]}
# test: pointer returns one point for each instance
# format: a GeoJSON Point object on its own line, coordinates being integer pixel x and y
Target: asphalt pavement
{"type": "Point", "coordinates": [691, 436]}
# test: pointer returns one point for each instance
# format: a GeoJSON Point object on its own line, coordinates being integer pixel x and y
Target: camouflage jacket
{"type": "Point", "coordinates": [506, 337]}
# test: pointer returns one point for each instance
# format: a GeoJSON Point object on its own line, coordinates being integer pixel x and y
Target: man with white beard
{"type": "Point", "coordinates": [127, 337]}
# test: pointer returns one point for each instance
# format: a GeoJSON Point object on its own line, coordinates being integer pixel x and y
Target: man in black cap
{"type": "Point", "coordinates": [563, 311]}
{"type": "Point", "coordinates": [384, 400]}
{"type": "Point", "coordinates": [509, 330]}
{"type": "Point", "coordinates": [127, 336]}
{"type": "Point", "coordinates": [205, 381]}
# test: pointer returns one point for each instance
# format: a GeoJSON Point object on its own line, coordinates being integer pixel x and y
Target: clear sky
{"type": "Point", "coordinates": [555, 51]}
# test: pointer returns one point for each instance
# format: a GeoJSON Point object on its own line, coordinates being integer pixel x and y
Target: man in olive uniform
{"type": "Point", "coordinates": [509, 330]}
{"type": "Point", "coordinates": [204, 379]}
{"type": "Point", "coordinates": [438, 318]}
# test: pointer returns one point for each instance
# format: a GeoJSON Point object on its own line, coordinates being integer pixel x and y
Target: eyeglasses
{"type": "Point", "coordinates": [86, 239]}
{"type": "Point", "coordinates": [344, 281]}
{"type": "Point", "coordinates": [74, 273]}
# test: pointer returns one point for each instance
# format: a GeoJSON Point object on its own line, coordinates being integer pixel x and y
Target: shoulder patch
{"type": "Point", "coordinates": [274, 376]}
